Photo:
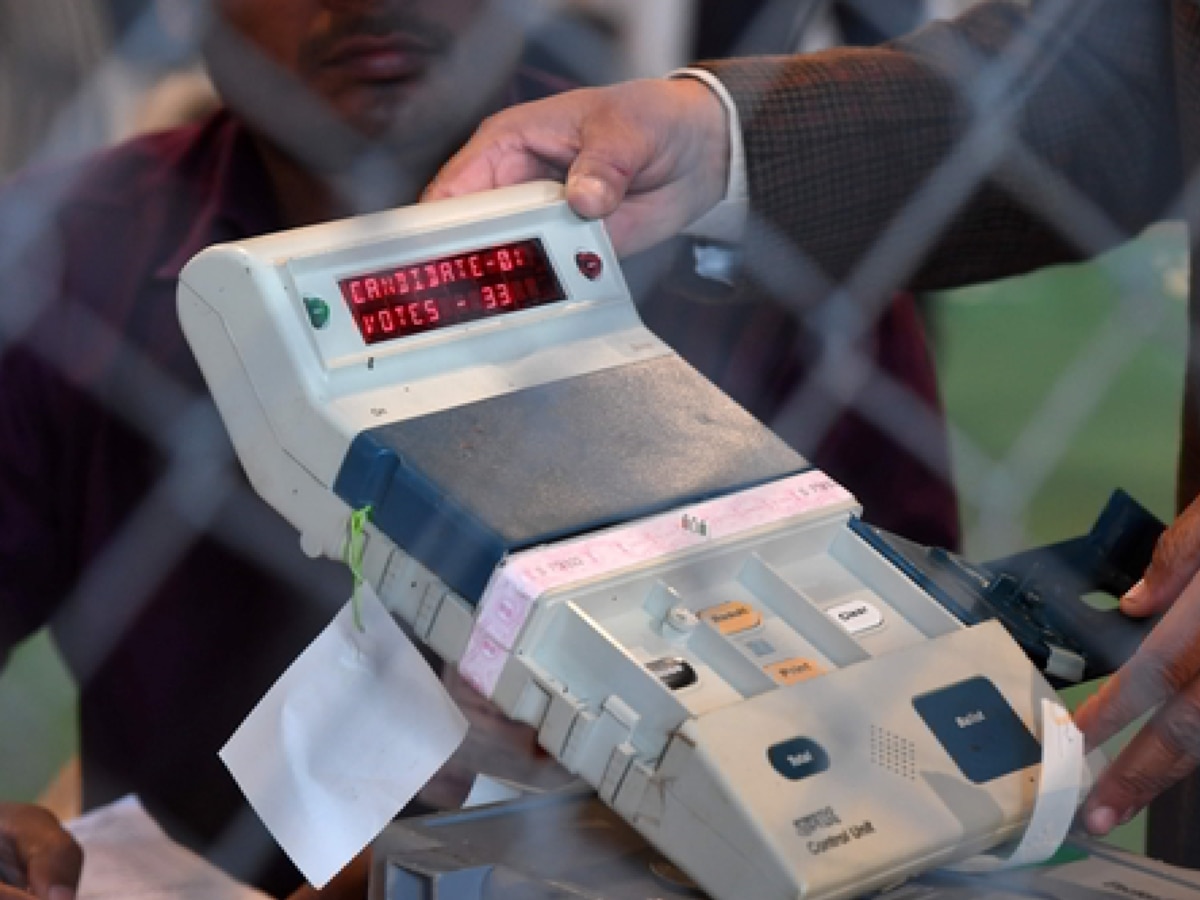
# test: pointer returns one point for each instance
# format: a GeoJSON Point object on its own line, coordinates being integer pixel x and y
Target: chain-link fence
{"type": "Point", "coordinates": [996, 416]}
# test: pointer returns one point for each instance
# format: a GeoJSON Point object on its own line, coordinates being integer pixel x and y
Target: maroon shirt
{"type": "Point", "coordinates": [124, 521]}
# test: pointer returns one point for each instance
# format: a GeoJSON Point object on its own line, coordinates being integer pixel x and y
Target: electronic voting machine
{"type": "Point", "coordinates": [694, 620]}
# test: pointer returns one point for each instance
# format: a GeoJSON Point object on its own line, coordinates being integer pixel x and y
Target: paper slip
{"type": "Point", "coordinates": [1060, 790]}
{"type": "Point", "coordinates": [355, 727]}
{"type": "Point", "coordinates": [127, 855]}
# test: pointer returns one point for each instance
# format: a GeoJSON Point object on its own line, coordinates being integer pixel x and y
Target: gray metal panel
{"type": "Point", "coordinates": [461, 488]}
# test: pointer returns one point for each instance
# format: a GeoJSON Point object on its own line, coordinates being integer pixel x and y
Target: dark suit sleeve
{"type": "Point", "coordinates": [1013, 137]}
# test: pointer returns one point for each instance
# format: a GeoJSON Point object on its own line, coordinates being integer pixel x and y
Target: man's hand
{"type": "Point", "coordinates": [1164, 671]}
{"type": "Point", "coordinates": [650, 156]}
{"type": "Point", "coordinates": [38, 857]}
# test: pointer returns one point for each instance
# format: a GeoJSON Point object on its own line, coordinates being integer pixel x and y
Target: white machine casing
{"type": "Point", "coordinates": [794, 761]}
{"type": "Point", "coordinates": [268, 371]}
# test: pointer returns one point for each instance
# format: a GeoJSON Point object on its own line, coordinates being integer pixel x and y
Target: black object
{"type": "Point", "coordinates": [1042, 595]}
{"type": "Point", "coordinates": [673, 671]}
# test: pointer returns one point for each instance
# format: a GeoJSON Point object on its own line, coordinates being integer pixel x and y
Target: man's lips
{"type": "Point", "coordinates": [380, 58]}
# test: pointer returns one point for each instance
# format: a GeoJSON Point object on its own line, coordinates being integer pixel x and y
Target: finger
{"type": "Point", "coordinates": [1175, 562]}
{"type": "Point", "coordinates": [626, 140]}
{"type": "Point", "coordinates": [522, 143]}
{"type": "Point", "coordinates": [49, 857]}
{"type": "Point", "coordinates": [1166, 663]}
{"type": "Point", "coordinates": [11, 893]}
{"type": "Point", "coordinates": [600, 175]}
{"type": "Point", "coordinates": [55, 866]}
{"type": "Point", "coordinates": [12, 866]}
{"type": "Point", "coordinates": [472, 170]}
{"type": "Point", "coordinates": [1164, 751]}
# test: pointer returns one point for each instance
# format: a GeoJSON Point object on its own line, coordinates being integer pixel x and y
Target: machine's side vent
{"type": "Point", "coordinates": [894, 753]}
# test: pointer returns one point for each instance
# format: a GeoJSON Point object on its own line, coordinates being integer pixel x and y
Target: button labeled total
{"type": "Point", "coordinates": [798, 758]}
{"type": "Point", "coordinates": [856, 616]}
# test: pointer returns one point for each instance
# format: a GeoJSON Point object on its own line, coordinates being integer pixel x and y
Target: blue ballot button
{"type": "Point", "coordinates": [980, 731]}
{"type": "Point", "coordinates": [798, 758]}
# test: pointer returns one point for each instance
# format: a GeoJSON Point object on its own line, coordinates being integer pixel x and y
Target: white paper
{"type": "Point", "coordinates": [485, 789]}
{"type": "Point", "coordinates": [1059, 792]}
{"type": "Point", "coordinates": [127, 855]}
{"type": "Point", "coordinates": [355, 727]}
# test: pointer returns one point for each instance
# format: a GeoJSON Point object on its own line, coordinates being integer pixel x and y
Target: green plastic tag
{"type": "Point", "coordinates": [354, 556]}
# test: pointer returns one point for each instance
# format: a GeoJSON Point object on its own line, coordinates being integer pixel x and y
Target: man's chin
{"type": "Point", "coordinates": [394, 134]}
{"type": "Point", "coordinates": [374, 109]}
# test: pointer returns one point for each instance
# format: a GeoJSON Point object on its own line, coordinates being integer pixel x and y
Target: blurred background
{"type": "Point", "coordinates": [1057, 388]}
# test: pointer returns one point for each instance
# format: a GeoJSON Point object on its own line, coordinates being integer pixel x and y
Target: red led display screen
{"type": "Point", "coordinates": [437, 293]}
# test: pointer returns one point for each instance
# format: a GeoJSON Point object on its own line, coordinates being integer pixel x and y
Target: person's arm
{"type": "Point", "coordinates": [839, 144]}
{"type": "Point", "coordinates": [1000, 142]}
{"type": "Point", "coordinates": [36, 486]}
{"type": "Point", "coordinates": [38, 857]}
{"type": "Point", "coordinates": [39, 491]}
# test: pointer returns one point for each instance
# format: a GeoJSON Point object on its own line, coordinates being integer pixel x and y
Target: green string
{"type": "Point", "coordinates": [354, 556]}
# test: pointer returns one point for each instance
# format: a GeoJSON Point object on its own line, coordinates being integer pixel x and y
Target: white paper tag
{"type": "Point", "coordinates": [356, 726]}
{"type": "Point", "coordinates": [1059, 792]}
{"type": "Point", "coordinates": [127, 855]}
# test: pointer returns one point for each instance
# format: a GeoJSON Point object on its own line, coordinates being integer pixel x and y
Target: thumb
{"type": "Point", "coordinates": [591, 196]}
{"type": "Point", "coordinates": [615, 149]}
{"type": "Point", "coordinates": [595, 185]}
{"type": "Point", "coordinates": [1175, 562]}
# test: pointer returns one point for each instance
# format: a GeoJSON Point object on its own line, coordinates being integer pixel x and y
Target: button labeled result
{"type": "Point", "coordinates": [732, 618]}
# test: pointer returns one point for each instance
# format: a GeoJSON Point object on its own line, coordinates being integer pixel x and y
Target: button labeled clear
{"type": "Point", "coordinates": [857, 616]}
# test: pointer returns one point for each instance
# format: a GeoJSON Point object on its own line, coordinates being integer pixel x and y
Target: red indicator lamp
{"type": "Point", "coordinates": [590, 264]}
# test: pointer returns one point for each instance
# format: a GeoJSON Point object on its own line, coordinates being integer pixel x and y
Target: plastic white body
{"type": "Point", "coordinates": [687, 768]}
{"type": "Point", "coordinates": [293, 396]}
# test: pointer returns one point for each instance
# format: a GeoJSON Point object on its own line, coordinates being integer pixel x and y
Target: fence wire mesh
{"type": "Point", "coordinates": [123, 491]}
